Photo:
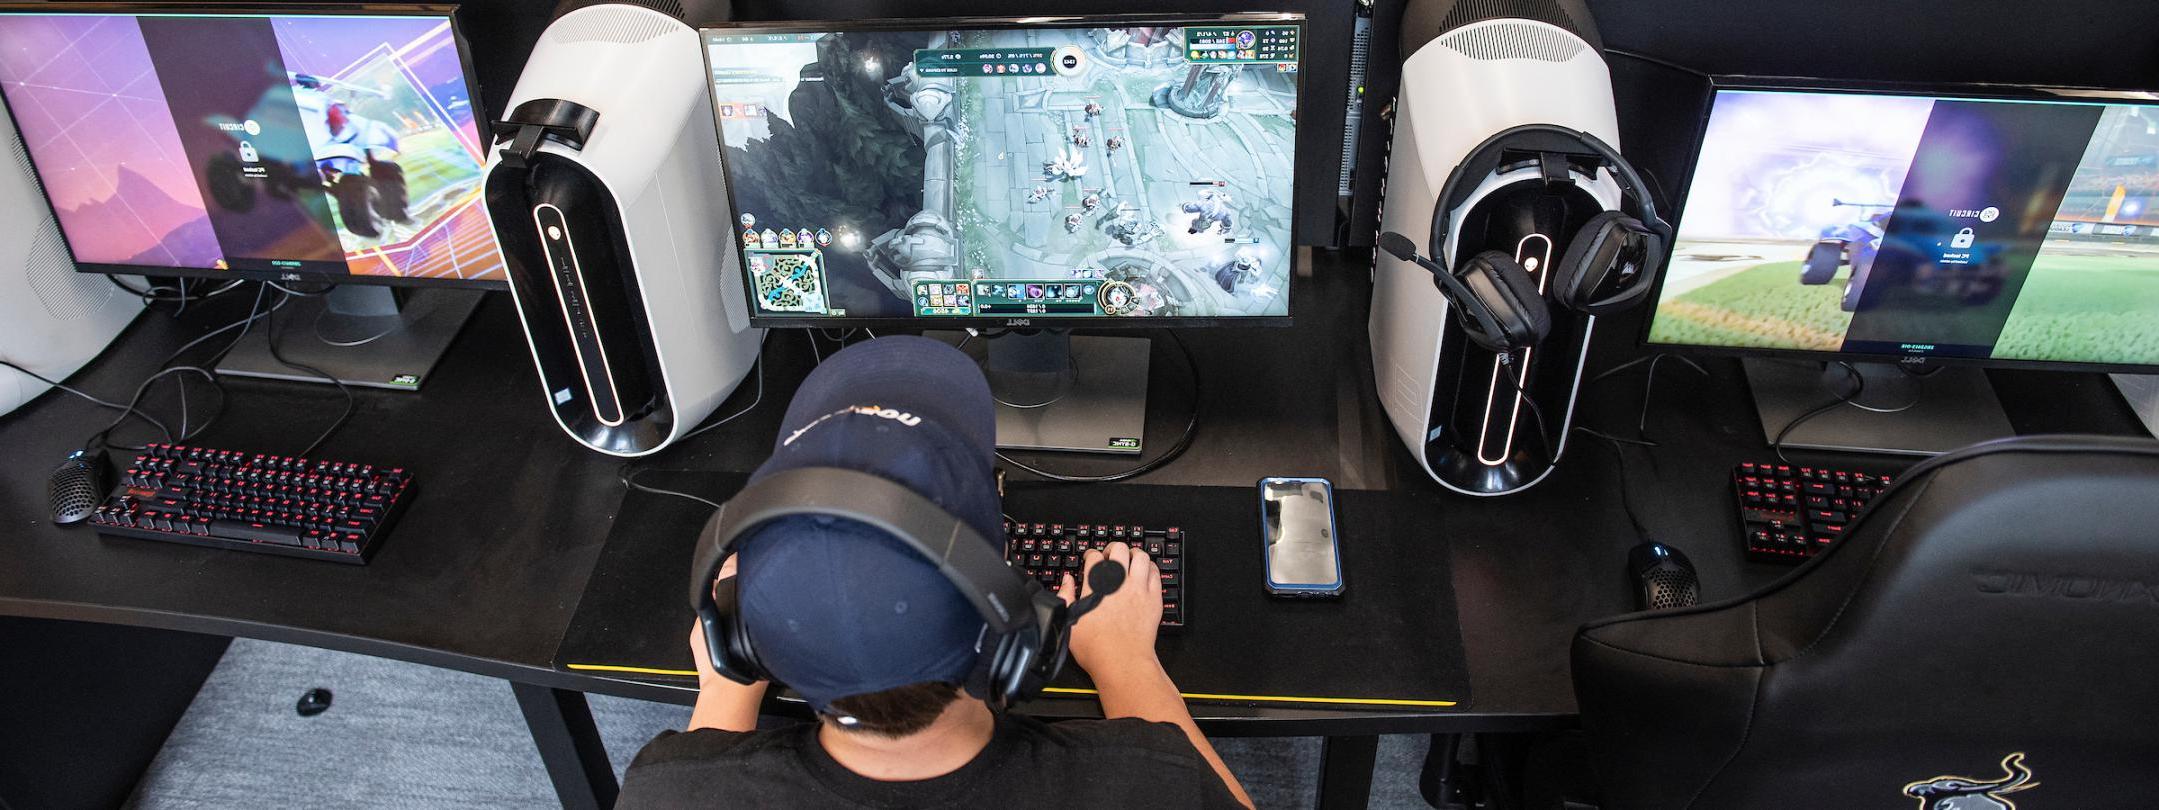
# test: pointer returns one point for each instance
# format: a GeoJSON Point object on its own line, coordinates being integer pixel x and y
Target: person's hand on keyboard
{"type": "Point", "coordinates": [1120, 632]}
{"type": "Point", "coordinates": [1115, 644]}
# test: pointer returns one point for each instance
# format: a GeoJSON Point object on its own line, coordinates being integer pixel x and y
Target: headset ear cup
{"type": "Point", "coordinates": [1576, 273]}
{"type": "Point", "coordinates": [1008, 666]}
{"type": "Point", "coordinates": [741, 654]}
{"type": "Point", "coordinates": [1603, 245]}
{"type": "Point", "coordinates": [1510, 296]}
{"type": "Point", "coordinates": [1652, 258]}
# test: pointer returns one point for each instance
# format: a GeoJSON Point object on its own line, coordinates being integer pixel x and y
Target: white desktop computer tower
{"type": "Point", "coordinates": [607, 194]}
{"type": "Point", "coordinates": [52, 319]}
{"type": "Point", "coordinates": [1467, 76]}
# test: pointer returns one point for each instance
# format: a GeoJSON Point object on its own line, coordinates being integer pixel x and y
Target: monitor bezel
{"type": "Point", "coordinates": [1295, 253]}
{"type": "Point", "coordinates": [464, 57]}
{"type": "Point", "coordinates": [2004, 92]}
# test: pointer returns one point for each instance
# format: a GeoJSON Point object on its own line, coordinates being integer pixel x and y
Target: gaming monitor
{"type": "Point", "coordinates": [1045, 172]}
{"type": "Point", "coordinates": [281, 144]}
{"type": "Point", "coordinates": [1918, 227]}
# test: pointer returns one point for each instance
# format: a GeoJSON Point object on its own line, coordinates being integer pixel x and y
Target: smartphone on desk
{"type": "Point", "coordinates": [1297, 529]}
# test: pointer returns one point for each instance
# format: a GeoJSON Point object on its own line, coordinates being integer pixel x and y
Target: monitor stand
{"type": "Point", "coordinates": [1059, 392]}
{"type": "Point", "coordinates": [378, 337]}
{"type": "Point", "coordinates": [1943, 410]}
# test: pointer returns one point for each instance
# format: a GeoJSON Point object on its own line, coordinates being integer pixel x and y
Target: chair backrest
{"type": "Point", "coordinates": [1986, 637]}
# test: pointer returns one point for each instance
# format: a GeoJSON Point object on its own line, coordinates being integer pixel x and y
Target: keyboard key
{"type": "Point", "coordinates": [258, 532]}
{"type": "Point", "coordinates": [1789, 514]}
{"type": "Point", "coordinates": [1062, 547]}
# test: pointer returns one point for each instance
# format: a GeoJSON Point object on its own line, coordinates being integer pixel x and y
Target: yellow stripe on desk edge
{"type": "Point", "coordinates": [1070, 691]}
{"type": "Point", "coordinates": [1278, 698]}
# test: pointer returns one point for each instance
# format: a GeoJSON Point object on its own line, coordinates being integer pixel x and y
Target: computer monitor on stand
{"type": "Point", "coordinates": [1028, 177]}
{"type": "Point", "coordinates": [303, 148]}
{"type": "Point", "coordinates": [1884, 246]}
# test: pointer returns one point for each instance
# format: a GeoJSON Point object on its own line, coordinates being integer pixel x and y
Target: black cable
{"type": "Point", "coordinates": [746, 408]}
{"type": "Point", "coordinates": [985, 334]}
{"type": "Point", "coordinates": [102, 438]}
{"type": "Point", "coordinates": [156, 294]}
{"type": "Point", "coordinates": [351, 403]}
{"type": "Point", "coordinates": [316, 328]}
{"type": "Point", "coordinates": [136, 412]}
{"type": "Point", "coordinates": [1611, 438]}
{"type": "Point", "coordinates": [1184, 442]}
{"type": "Point", "coordinates": [1649, 387]}
{"type": "Point", "coordinates": [188, 430]}
{"type": "Point", "coordinates": [1663, 63]}
{"type": "Point", "coordinates": [253, 316]}
{"type": "Point", "coordinates": [1859, 384]}
{"type": "Point", "coordinates": [303, 294]}
{"type": "Point", "coordinates": [1626, 489]}
{"type": "Point", "coordinates": [1544, 431]}
{"type": "Point", "coordinates": [628, 477]}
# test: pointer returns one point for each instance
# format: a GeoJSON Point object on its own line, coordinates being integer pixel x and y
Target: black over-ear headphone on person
{"type": "Point", "coordinates": [1610, 264]}
{"type": "Point", "coordinates": [1023, 645]}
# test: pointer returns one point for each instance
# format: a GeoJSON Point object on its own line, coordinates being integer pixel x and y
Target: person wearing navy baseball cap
{"type": "Point", "coordinates": [884, 647]}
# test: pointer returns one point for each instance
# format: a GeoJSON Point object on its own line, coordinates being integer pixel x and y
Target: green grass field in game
{"type": "Point", "coordinates": [1763, 307]}
{"type": "Point", "coordinates": [2094, 309]}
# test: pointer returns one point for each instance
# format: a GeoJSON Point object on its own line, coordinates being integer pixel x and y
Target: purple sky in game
{"type": "Point", "coordinates": [93, 115]}
{"type": "Point", "coordinates": [95, 121]}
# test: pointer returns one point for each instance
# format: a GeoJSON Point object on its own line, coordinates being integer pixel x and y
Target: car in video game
{"type": "Point", "coordinates": [356, 155]}
{"type": "Point", "coordinates": [1913, 250]}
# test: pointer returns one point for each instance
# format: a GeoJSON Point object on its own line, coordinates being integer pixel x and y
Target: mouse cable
{"type": "Point", "coordinates": [1649, 389]}
{"type": "Point", "coordinates": [102, 438]}
{"type": "Point", "coordinates": [1184, 442]}
{"type": "Point", "coordinates": [167, 368]}
{"type": "Point", "coordinates": [1626, 489]}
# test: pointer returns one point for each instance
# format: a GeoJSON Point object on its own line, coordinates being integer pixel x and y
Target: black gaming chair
{"type": "Point", "coordinates": [1986, 637]}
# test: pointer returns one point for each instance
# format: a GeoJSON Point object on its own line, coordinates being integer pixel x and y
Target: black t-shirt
{"type": "Point", "coordinates": [1125, 762]}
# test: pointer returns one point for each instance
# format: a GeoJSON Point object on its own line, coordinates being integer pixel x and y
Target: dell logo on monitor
{"type": "Point", "coordinates": [1019, 322]}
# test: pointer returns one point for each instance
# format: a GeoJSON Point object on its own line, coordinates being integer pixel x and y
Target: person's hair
{"type": "Point", "coordinates": [895, 712]}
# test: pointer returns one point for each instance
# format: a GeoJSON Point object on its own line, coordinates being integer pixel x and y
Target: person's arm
{"type": "Point", "coordinates": [1115, 644]}
{"type": "Point", "coordinates": [721, 704]}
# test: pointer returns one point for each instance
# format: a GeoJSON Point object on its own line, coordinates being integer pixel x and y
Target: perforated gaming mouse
{"type": "Point", "coordinates": [1663, 577]}
{"type": "Point", "coordinates": [77, 486]}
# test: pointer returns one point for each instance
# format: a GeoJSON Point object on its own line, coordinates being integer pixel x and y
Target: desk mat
{"type": "Point", "coordinates": [1392, 640]}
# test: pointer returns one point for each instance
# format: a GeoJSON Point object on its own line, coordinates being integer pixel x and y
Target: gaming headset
{"type": "Point", "coordinates": [1023, 645]}
{"type": "Point", "coordinates": [1610, 264]}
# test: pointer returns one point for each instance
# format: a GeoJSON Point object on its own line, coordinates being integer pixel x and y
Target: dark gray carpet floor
{"type": "Point", "coordinates": [401, 735]}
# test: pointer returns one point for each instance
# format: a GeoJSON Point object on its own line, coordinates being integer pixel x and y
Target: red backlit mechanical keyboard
{"type": "Point", "coordinates": [1046, 551]}
{"type": "Point", "coordinates": [1788, 513]}
{"type": "Point", "coordinates": [323, 510]}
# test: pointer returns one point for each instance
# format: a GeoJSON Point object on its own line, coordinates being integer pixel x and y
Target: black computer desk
{"type": "Point", "coordinates": [485, 571]}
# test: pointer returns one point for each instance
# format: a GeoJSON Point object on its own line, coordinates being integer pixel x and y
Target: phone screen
{"type": "Point", "coordinates": [1297, 517]}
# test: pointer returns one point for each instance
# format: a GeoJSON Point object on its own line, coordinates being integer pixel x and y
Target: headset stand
{"type": "Point", "coordinates": [1948, 408]}
{"type": "Point", "coordinates": [1059, 392]}
{"type": "Point", "coordinates": [378, 337]}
